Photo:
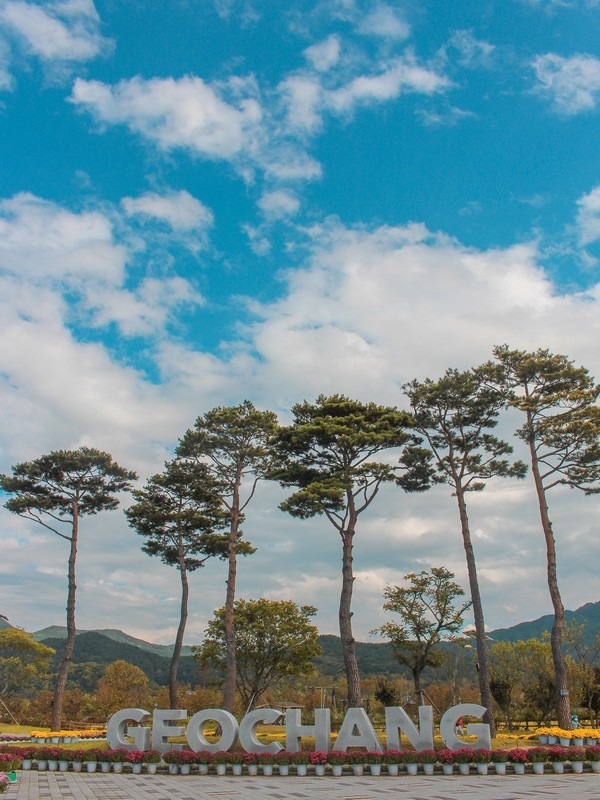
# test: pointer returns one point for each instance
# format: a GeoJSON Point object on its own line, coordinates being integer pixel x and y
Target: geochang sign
{"type": "Point", "coordinates": [356, 729]}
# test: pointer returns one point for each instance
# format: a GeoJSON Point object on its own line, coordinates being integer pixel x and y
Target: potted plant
{"type": "Point", "coordinates": [318, 759]}
{"type": "Point", "coordinates": [282, 760]}
{"type": "Point", "coordinates": [576, 756]}
{"type": "Point", "coordinates": [499, 759]}
{"type": "Point", "coordinates": [178, 761]}
{"type": "Point", "coordinates": [446, 759]}
{"type": "Point", "coordinates": [374, 760]}
{"type": "Point", "coordinates": [592, 754]}
{"type": "Point", "coordinates": [481, 758]}
{"type": "Point", "coordinates": [428, 759]}
{"type": "Point", "coordinates": [151, 758]}
{"type": "Point", "coordinates": [300, 760]}
{"type": "Point", "coordinates": [91, 758]}
{"type": "Point", "coordinates": [336, 760]}
{"type": "Point", "coordinates": [135, 758]}
{"type": "Point", "coordinates": [518, 757]}
{"type": "Point", "coordinates": [410, 759]}
{"type": "Point", "coordinates": [236, 759]}
{"type": "Point", "coordinates": [463, 757]}
{"type": "Point", "coordinates": [392, 759]}
{"type": "Point", "coordinates": [538, 756]}
{"type": "Point", "coordinates": [27, 754]}
{"type": "Point", "coordinates": [251, 761]}
{"type": "Point", "coordinates": [266, 762]}
{"type": "Point", "coordinates": [203, 758]}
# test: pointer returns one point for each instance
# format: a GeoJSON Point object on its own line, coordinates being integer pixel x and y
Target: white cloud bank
{"type": "Point", "coordinates": [369, 310]}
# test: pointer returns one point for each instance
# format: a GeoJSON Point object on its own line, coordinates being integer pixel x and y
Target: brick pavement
{"type": "Point", "coordinates": [74, 786]}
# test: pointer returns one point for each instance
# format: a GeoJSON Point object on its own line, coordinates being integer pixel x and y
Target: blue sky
{"type": "Point", "coordinates": [206, 201]}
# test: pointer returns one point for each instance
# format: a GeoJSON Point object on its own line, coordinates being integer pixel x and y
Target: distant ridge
{"type": "Point", "coordinates": [60, 632]}
{"type": "Point", "coordinates": [588, 614]}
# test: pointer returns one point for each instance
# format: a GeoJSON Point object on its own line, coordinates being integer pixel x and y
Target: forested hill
{"type": "Point", "coordinates": [589, 615]}
{"type": "Point", "coordinates": [95, 649]}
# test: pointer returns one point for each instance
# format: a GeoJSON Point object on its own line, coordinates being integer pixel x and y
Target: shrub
{"type": "Point", "coordinates": [463, 756]}
{"type": "Point", "coordinates": [592, 753]}
{"type": "Point", "coordinates": [391, 757]}
{"type": "Point", "coordinates": [427, 757]}
{"type": "Point", "coordinates": [481, 756]}
{"type": "Point", "coordinates": [446, 756]}
{"type": "Point", "coordinates": [575, 754]}
{"type": "Point", "coordinates": [499, 756]}
{"type": "Point", "coordinates": [114, 756]}
{"type": "Point", "coordinates": [150, 756]}
{"type": "Point", "coordinates": [340, 757]}
{"type": "Point", "coordinates": [250, 758]}
{"type": "Point", "coordinates": [318, 757]}
{"type": "Point", "coordinates": [135, 756]}
{"type": "Point", "coordinates": [302, 757]}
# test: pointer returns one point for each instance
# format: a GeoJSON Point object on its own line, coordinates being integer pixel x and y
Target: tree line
{"type": "Point", "coordinates": [334, 459]}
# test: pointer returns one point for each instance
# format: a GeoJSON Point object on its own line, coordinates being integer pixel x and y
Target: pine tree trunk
{"type": "Point", "coordinates": [483, 673]}
{"type": "Point", "coordinates": [563, 705]}
{"type": "Point", "coordinates": [65, 664]}
{"type": "Point", "coordinates": [230, 656]}
{"type": "Point", "coordinates": [345, 618]}
{"type": "Point", "coordinates": [173, 699]}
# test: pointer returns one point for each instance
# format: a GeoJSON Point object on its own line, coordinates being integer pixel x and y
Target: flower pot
{"type": "Point", "coordinates": [77, 766]}
{"type": "Point", "coordinates": [590, 741]}
{"type": "Point", "coordinates": [173, 769]}
{"type": "Point", "coordinates": [565, 741]}
{"type": "Point", "coordinates": [203, 769]}
{"type": "Point", "coordinates": [358, 769]}
{"type": "Point", "coordinates": [284, 769]}
{"type": "Point", "coordinates": [500, 768]}
{"type": "Point", "coordinates": [252, 769]}
{"type": "Point", "coordinates": [482, 769]}
{"type": "Point", "coordinates": [136, 769]}
{"type": "Point", "coordinates": [336, 770]}
{"type": "Point", "coordinates": [447, 769]}
{"type": "Point", "coordinates": [55, 739]}
{"type": "Point", "coordinates": [117, 767]}
{"type": "Point", "coordinates": [412, 769]}
{"type": "Point", "coordinates": [464, 769]}
{"type": "Point", "coordinates": [42, 765]}
{"type": "Point", "coordinates": [543, 738]}
{"type": "Point", "coordinates": [577, 741]}
{"type": "Point", "coordinates": [52, 765]}
{"type": "Point", "coordinates": [236, 769]}
{"type": "Point", "coordinates": [552, 739]}
{"type": "Point", "coordinates": [595, 766]}
{"type": "Point", "coordinates": [63, 766]}
{"type": "Point", "coordinates": [185, 769]}
{"type": "Point", "coordinates": [302, 769]}
{"type": "Point", "coordinates": [90, 766]}
{"type": "Point", "coordinates": [393, 769]}
{"type": "Point", "coordinates": [375, 769]}
{"type": "Point", "coordinates": [319, 770]}
{"type": "Point", "coordinates": [105, 766]}
{"type": "Point", "coordinates": [26, 763]}
{"type": "Point", "coordinates": [538, 767]}
{"type": "Point", "coordinates": [519, 769]}
{"type": "Point", "coordinates": [267, 769]}
{"type": "Point", "coordinates": [428, 769]}
{"type": "Point", "coordinates": [577, 766]}
{"type": "Point", "coordinates": [558, 767]}
{"type": "Point", "coordinates": [151, 769]}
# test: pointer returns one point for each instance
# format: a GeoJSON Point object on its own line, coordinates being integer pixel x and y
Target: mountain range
{"type": "Point", "coordinates": [101, 647]}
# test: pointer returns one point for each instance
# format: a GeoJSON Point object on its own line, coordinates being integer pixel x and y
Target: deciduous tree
{"type": "Point", "coordinates": [274, 640]}
{"type": "Point", "coordinates": [122, 685]}
{"type": "Point", "coordinates": [329, 454]}
{"type": "Point", "coordinates": [55, 490]}
{"type": "Point", "coordinates": [23, 662]}
{"type": "Point", "coordinates": [235, 444]}
{"type": "Point", "coordinates": [456, 414]}
{"type": "Point", "coordinates": [428, 616]}
{"type": "Point", "coordinates": [562, 433]}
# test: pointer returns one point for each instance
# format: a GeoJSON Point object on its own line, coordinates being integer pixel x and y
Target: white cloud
{"type": "Point", "coordinates": [325, 54]}
{"type": "Point", "coordinates": [572, 84]}
{"type": "Point", "coordinates": [41, 240]}
{"type": "Point", "coordinates": [186, 113]}
{"type": "Point", "coordinates": [66, 31]}
{"type": "Point", "coordinates": [399, 76]}
{"type": "Point", "coordinates": [384, 21]}
{"type": "Point", "coordinates": [279, 204]}
{"type": "Point", "coordinates": [180, 210]}
{"type": "Point", "coordinates": [472, 52]}
{"type": "Point", "coordinates": [588, 217]}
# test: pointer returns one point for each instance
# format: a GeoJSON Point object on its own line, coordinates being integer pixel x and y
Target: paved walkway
{"type": "Point", "coordinates": [77, 786]}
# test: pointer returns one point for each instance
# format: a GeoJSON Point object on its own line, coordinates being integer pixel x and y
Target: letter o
{"type": "Point", "coordinates": [196, 738]}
